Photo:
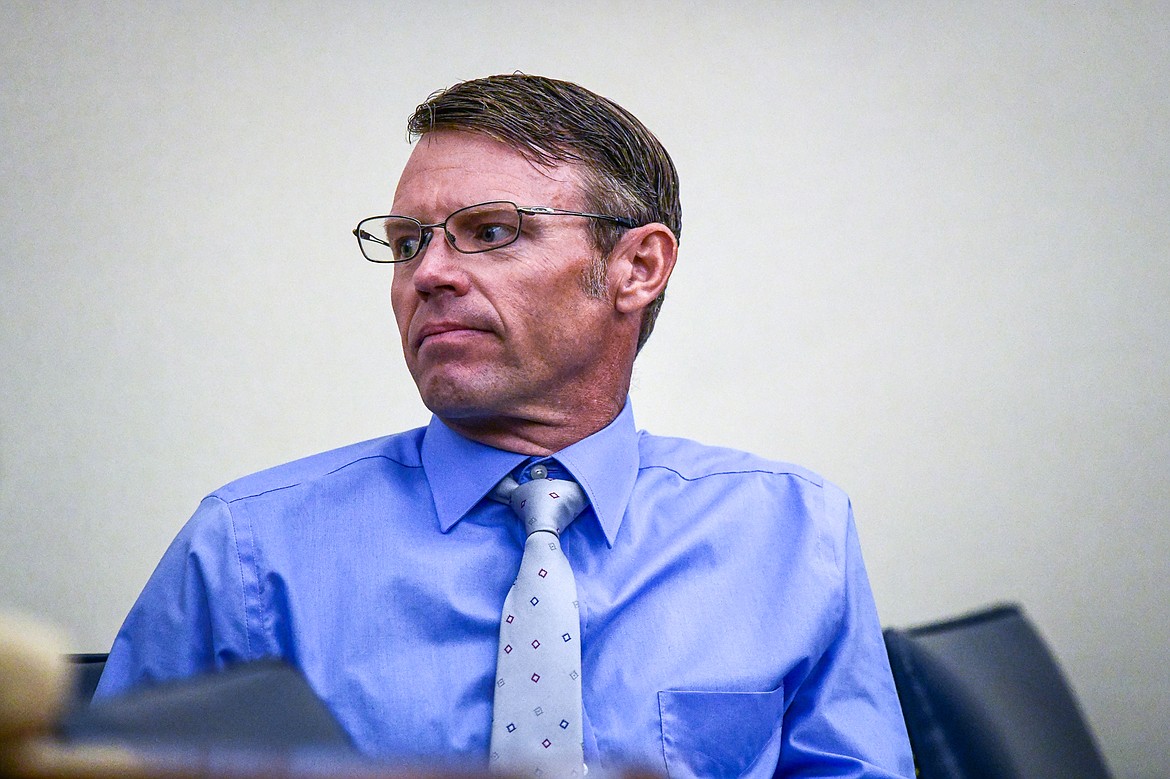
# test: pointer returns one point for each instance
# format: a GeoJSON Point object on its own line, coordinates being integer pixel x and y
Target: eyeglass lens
{"type": "Point", "coordinates": [477, 228]}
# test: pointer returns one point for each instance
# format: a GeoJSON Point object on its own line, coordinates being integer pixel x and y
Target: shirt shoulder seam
{"type": "Point", "coordinates": [291, 485]}
{"type": "Point", "coordinates": [735, 472]}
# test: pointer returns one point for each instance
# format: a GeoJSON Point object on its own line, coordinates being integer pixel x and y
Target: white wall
{"type": "Point", "coordinates": [925, 254]}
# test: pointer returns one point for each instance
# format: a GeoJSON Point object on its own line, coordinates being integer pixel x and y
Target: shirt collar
{"type": "Point", "coordinates": [462, 472]}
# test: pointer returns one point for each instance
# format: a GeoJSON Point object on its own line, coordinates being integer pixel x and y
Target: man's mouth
{"type": "Point", "coordinates": [446, 332]}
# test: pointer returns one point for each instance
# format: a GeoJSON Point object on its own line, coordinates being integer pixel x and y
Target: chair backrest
{"type": "Point", "coordinates": [983, 697]}
{"type": "Point", "coordinates": [88, 672]}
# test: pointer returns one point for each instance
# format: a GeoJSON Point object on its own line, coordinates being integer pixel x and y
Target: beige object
{"type": "Point", "coordinates": [34, 677]}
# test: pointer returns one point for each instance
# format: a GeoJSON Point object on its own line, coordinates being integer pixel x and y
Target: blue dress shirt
{"type": "Point", "coordinates": [728, 628]}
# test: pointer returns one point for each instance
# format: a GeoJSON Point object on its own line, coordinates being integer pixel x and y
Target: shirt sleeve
{"type": "Point", "coordinates": [845, 719]}
{"type": "Point", "coordinates": [190, 617]}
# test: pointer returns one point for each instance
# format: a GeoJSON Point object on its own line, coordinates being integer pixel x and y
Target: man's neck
{"type": "Point", "coordinates": [541, 435]}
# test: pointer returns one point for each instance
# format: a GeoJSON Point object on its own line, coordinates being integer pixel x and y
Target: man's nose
{"type": "Point", "coordinates": [438, 267]}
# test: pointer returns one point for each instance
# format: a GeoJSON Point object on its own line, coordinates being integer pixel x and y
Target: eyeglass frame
{"type": "Point", "coordinates": [427, 231]}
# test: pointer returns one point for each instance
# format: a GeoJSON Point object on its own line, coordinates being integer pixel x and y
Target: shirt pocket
{"type": "Point", "coordinates": [721, 734]}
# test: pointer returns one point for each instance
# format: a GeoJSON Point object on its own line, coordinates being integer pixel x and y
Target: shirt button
{"type": "Point", "coordinates": [538, 472]}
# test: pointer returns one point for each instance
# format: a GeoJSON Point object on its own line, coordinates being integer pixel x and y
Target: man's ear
{"type": "Point", "coordinates": [640, 266]}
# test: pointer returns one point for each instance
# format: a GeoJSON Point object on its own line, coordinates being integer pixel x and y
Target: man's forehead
{"type": "Point", "coordinates": [452, 169]}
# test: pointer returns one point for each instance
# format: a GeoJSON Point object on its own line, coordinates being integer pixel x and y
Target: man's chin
{"type": "Point", "coordinates": [451, 397]}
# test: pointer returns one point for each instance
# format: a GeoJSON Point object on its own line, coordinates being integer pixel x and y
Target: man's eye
{"type": "Point", "coordinates": [494, 234]}
{"type": "Point", "coordinates": [405, 247]}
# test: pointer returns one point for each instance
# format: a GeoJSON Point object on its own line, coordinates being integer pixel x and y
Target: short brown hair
{"type": "Point", "coordinates": [627, 171]}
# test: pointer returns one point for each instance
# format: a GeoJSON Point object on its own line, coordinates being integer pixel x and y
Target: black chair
{"type": "Point", "coordinates": [87, 673]}
{"type": "Point", "coordinates": [983, 697]}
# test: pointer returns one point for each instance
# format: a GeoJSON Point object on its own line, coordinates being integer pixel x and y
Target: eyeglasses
{"type": "Point", "coordinates": [470, 230]}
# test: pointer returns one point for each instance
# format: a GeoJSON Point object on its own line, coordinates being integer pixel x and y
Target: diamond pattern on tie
{"type": "Point", "coordinates": [536, 725]}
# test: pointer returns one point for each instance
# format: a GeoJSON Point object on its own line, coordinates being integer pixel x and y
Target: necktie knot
{"type": "Point", "coordinates": [543, 503]}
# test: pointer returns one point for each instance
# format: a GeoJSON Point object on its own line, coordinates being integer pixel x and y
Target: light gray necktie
{"type": "Point", "coordinates": [536, 714]}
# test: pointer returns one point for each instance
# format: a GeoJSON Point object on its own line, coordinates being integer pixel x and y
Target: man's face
{"type": "Point", "coordinates": [509, 334]}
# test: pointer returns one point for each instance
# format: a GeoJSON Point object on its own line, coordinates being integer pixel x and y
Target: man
{"type": "Point", "coordinates": [726, 623]}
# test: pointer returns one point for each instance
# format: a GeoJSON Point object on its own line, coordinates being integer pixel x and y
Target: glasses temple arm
{"type": "Point", "coordinates": [362, 234]}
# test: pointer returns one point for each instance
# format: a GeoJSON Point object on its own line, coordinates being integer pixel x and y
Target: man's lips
{"type": "Point", "coordinates": [445, 331]}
